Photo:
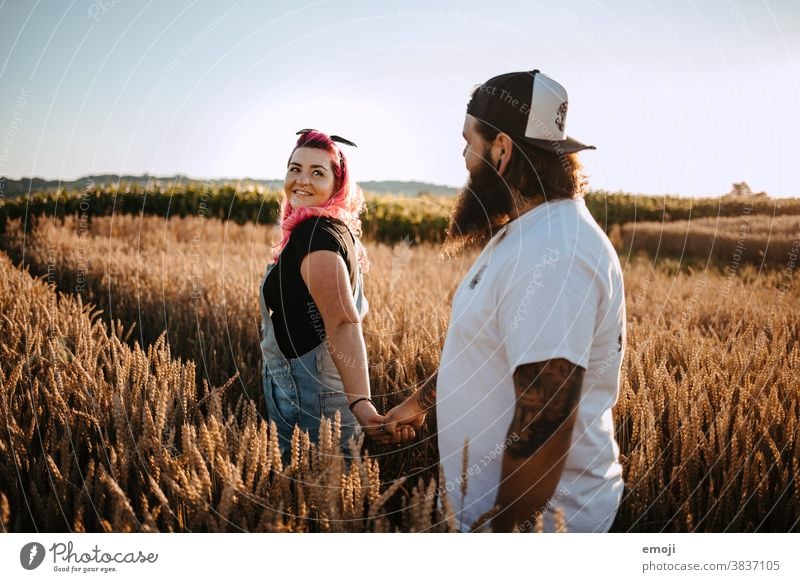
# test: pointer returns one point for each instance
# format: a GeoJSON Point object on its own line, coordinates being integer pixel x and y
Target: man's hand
{"type": "Point", "coordinates": [411, 413]}
{"type": "Point", "coordinates": [374, 425]}
{"type": "Point", "coordinates": [405, 416]}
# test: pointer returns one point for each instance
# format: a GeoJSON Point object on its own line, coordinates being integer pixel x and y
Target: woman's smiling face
{"type": "Point", "coordinates": [309, 177]}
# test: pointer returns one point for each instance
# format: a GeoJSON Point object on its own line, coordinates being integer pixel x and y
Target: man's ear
{"type": "Point", "coordinates": [501, 152]}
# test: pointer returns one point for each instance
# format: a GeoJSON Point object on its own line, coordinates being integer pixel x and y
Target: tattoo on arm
{"type": "Point", "coordinates": [426, 397]}
{"type": "Point", "coordinates": [546, 394]}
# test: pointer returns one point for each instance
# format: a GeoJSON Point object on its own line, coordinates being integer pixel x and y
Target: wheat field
{"type": "Point", "coordinates": [101, 434]}
{"type": "Point", "coordinates": [747, 238]}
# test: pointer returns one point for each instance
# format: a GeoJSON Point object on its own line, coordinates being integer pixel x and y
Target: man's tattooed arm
{"type": "Point", "coordinates": [426, 396]}
{"type": "Point", "coordinates": [546, 394]}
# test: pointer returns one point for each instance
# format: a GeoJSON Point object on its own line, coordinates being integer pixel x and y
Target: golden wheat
{"type": "Point", "coordinates": [771, 240]}
{"type": "Point", "coordinates": [98, 436]}
{"type": "Point", "coordinates": [706, 421]}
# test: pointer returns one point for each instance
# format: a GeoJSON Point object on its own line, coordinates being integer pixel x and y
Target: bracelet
{"type": "Point", "coordinates": [357, 400]}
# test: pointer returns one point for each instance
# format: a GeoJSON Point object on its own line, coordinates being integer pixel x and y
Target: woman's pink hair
{"type": "Point", "coordinates": [346, 203]}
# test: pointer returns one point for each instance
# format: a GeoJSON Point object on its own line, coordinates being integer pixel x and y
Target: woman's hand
{"type": "Point", "coordinates": [406, 416]}
{"type": "Point", "coordinates": [374, 425]}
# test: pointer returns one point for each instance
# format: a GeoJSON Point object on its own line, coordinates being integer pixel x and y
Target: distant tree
{"type": "Point", "coordinates": [741, 189]}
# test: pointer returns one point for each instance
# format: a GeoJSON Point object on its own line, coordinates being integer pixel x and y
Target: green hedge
{"type": "Point", "coordinates": [192, 200]}
{"type": "Point", "coordinates": [619, 208]}
{"type": "Point", "coordinates": [387, 219]}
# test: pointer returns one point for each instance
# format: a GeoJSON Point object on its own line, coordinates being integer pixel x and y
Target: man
{"type": "Point", "coordinates": [531, 363]}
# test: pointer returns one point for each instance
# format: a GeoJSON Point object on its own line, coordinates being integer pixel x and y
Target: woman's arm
{"type": "Point", "coordinates": [326, 276]}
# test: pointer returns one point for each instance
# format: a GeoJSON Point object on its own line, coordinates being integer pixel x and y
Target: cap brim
{"type": "Point", "coordinates": [565, 146]}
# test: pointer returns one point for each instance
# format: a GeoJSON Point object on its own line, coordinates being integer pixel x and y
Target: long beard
{"type": "Point", "coordinates": [483, 207]}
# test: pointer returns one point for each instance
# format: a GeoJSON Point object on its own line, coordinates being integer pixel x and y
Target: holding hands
{"type": "Point", "coordinates": [402, 421]}
{"type": "Point", "coordinates": [400, 424]}
{"type": "Point", "coordinates": [405, 418]}
{"type": "Point", "coordinates": [375, 425]}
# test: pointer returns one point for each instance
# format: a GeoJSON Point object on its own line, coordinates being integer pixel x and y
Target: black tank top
{"type": "Point", "coordinates": [297, 322]}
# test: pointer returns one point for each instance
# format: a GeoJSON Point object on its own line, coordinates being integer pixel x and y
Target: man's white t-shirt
{"type": "Point", "coordinates": [549, 285]}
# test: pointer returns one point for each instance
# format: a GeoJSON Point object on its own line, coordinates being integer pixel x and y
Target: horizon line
{"type": "Point", "coordinates": [240, 179]}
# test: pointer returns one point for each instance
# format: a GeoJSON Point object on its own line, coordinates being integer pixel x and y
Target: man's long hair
{"type": "Point", "coordinates": [488, 199]}
{"type": "Point", "coordinates": [538, 174]}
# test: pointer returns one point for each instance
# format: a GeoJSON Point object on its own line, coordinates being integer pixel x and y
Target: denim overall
{"type": "Point", "coordinates": [300, 391]}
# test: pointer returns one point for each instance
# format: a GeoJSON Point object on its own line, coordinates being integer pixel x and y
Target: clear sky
{"type": "Point", "coordinates": [679, 97]}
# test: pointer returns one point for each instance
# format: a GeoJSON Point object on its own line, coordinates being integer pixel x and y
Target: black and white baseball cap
{"type": "Point", "coordinates": [528, 106]}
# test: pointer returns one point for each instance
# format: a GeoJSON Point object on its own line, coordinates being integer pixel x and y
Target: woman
{"type": "Point", "coordinates": [312, 301]}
